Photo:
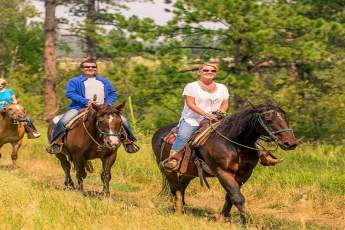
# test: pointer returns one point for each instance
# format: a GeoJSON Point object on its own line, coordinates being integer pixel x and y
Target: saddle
{"type": "Point", "coordinates": [187, 156]}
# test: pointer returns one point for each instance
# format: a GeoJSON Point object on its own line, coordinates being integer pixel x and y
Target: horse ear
{"type": "Point", "coordinates": [121, 107]}
{"type": "Point", "coordinates": [274, 103]}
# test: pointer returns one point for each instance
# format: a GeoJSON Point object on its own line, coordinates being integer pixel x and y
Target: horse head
{"type": "Point", "coordinates": [274, 124]}
{"type": "Point", "coordinates": [15, 113]}
{"type": "Point", "coordinates": [109, 124]}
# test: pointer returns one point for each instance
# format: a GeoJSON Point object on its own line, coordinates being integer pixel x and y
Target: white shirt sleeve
{"type": "Point", "coordinates": [189, 90]}
{"type": "Point", "coordinates": [225, 93]}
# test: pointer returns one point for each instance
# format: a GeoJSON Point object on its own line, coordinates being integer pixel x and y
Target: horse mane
{"type": "Point", "coordinates": [106, 109]}
{"type": "Point", "coordinates": [235, 125]}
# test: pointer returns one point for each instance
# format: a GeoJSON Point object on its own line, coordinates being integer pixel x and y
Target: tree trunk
{"type": "Point", "coordinates": [91, 29]}
{"type": "Point", "coordinates": [50, 61]}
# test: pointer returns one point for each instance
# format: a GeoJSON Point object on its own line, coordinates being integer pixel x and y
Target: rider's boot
{"type": "Point", "coordinates": [172, 162]}
{"type": "Point", "coordinates": [268, 159]}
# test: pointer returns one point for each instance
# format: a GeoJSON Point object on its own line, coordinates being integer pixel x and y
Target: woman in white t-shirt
{"type": "Point", "coordinates": [202, 97]}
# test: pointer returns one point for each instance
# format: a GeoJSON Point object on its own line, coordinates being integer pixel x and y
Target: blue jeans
{"type": "Point", "coordinates": [185, 131]}
{"type": "Point", "coordinates": [61, 125]}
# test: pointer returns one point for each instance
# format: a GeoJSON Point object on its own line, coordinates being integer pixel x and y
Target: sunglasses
{"type": "Point", "coordinates": [209, 70]}
{"type": "Point", "coordinates": [90, 67]}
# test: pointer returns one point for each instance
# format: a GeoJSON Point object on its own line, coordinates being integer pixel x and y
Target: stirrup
{"type": "Point", "coordinates": [54, 148]}
{"type": "Point", "coordinates": [170, 164]}
{"type": "Point", "coordinates": [131, 147]}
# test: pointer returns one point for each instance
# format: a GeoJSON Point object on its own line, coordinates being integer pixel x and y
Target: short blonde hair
{"type": "Point", "coordinates": [209, 64]}
{"type": "Point", "coordinates": [3, 81]}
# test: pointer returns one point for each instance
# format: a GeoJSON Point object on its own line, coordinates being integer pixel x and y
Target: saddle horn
{"type": "Point", "coordinates": [94, 97]}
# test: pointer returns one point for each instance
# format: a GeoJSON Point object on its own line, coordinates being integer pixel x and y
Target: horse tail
{"type": "Point", "coordinates": [165, 190]}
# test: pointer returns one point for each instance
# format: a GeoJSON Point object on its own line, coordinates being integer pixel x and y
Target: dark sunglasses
{"type": "Point", "coordinates": [90, 67]}
{"type": "Point", "coordinates": [209, 70]}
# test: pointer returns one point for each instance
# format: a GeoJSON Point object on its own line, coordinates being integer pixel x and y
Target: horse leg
{"type": "Point", "coordinates": [226, 208]}
{"type": "Point", "coordinates": [0, 152]}
{"type": "Point", "coordinates": [184, 182]}
{"type": "Point", "coordinates": [66, 166]}
{"type": "Point", "coordinates": [232, 188]}
{"type": "Point", "coordinates": [107, 163]}
{"type": "Point", "coordinates": [81, 173]}
{"type": "Point", "coordinates": [14, 156]}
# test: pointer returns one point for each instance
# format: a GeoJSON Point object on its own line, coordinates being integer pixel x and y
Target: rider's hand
{"type": "Point", "coordinates": [211, 117]}
{"type": "Point", "coordinates": [91, 103]}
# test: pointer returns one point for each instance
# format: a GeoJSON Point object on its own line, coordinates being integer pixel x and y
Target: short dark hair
{"type": "Point", "coordinates": [89, 60]}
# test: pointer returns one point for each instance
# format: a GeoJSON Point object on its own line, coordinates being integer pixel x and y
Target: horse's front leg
{"type": "Point", "coordinates": [66, 166]}
{"type": "Point", "coordinates": [14, 156]}
{"type": "Point", "coordinates": [107, 163]}
{"type": "Point", "coordinates": [81, 173]}
{"type": "Point", "coordinates": [234, 194]}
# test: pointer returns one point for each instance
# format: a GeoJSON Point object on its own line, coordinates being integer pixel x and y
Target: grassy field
{"type": "Point", "coordinates": [306, 191]}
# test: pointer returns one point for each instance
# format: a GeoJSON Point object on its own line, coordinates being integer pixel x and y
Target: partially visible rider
{"type": "Point", "coordinates": [81, 90]}
{"type": "Point", "coordinates": [7, 97]}
{"type": "Point", "coordinates": [202, 99]}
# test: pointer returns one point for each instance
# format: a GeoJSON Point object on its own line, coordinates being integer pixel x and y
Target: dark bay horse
{"type": "Point", "coordinates": [12, 128]}
{"type": "Point", "coordinates": [97, 135]}
{"type": "Point", "coordinates": [230, 152]}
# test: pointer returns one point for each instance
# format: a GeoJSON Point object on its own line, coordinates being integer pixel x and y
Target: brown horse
{"type": "Point", "coordinates": [97, 135]}
{"type": "Point", "coordinates": [12, 130]}
{"type": "Point", "coordinates": [230, 152]}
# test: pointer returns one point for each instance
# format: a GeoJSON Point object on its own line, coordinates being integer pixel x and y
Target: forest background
{"type": "Point", "coordinates": [288, 51]}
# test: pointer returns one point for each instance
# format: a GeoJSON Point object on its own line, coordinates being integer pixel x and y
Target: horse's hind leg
{"type": "Point", "coordinates": [178, 187]}
{"type": "Point", "coordinates": [107, 163]}
{"type": "Point", "coordinates": [183, 183]}
{"type": "Point", "coordinates": [233, 191]}
{"type": "Point", "coordinates": [66, 166]}
{"type": "Point", "coordinates": [226, 208]}
{"type": "Point", "coordinates": [14, 155]}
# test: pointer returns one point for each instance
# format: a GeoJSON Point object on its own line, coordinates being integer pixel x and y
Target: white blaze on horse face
{"type": "Point", "coordinates": [113, 139]}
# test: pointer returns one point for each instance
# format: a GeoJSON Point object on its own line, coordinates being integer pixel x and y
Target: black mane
{"type": "Point", "coordinates": [233, 126]}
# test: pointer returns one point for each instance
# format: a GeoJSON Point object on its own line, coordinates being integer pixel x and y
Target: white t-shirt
{"type": "Point", "coordinates": [92, 87]}
{"type": "Point", "coordinates": [209, 102]}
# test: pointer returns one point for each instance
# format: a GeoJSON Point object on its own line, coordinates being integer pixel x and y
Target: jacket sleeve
{"type": "Point", "coordinates": [72, 93]}
{"type": "Point", "coordinates": [111, 93]}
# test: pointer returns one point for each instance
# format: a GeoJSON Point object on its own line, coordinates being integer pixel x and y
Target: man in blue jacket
{"type": "Point", "coordinates": [81, 90]}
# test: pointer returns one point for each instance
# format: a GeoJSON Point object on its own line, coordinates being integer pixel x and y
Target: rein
{"type": "Point", "coordinates": [99, 146]}
{"type": "Point", "coordinates": [271, 134]}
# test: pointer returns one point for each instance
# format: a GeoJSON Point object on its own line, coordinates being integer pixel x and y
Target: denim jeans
{"type": "Point", "coordinates": [185, 131]}
{"type": "Point", "coordinates": [128, 128]}
{"type": "Point", "coordinates": [61, 125]}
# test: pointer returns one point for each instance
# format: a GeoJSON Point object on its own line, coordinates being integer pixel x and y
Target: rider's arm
{"type": "Point", "coordinates": [72, 93]}
{"type": "Point", "coordinates": [111, 93]}
{"type": "Point", "coordinates": [224, 106]}
{"type": "Point", "coordinates": [14, 99]}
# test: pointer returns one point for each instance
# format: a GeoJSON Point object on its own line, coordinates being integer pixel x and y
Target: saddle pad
{"type": "Point", "coordinates": [70, 123]}
{"type": "Point", "coordinates": [201, 136]}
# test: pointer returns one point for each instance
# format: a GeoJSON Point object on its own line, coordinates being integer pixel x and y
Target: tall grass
{"type": "Point", "coordinates": [306, 191]}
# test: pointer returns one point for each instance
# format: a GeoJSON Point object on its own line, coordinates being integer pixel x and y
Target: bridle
{"type": "Point", "coordinates": [101, 147]}
{"type": "Point", "coordinates": [15, 118]}
{"type": "Point", "coordinates": [271, 133]}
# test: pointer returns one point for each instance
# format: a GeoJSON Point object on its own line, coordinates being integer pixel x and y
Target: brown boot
{"type": "Point", "coordinates": [268, 159]}
{"type": "Point", "coordinates": [31, 133]}
{"type": "Point", "coordinates": [172, 162]}
{"type": "Point", "coordinates": [131, 147]}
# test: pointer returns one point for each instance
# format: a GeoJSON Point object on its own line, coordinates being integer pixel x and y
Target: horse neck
{"type": "Point", "coordinates": [90, 122]}
{"type": "Point", "coordinates": [243, 129]}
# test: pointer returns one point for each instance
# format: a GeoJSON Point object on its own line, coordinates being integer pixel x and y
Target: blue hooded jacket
{"type": "Point", "coordinates": [75, 91]}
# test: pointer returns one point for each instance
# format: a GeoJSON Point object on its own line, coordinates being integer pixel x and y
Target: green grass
{"type": "Point", "coordinates": [306, 191]}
